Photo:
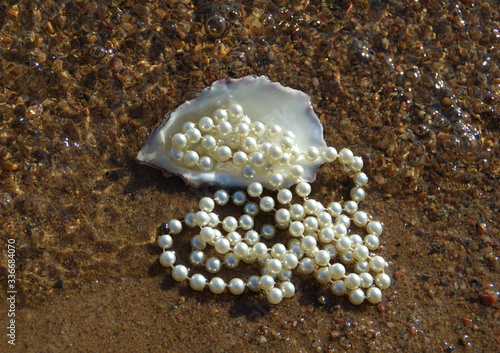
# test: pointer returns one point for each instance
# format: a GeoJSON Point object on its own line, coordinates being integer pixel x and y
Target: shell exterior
{"type": "Point", "coordinates": [261, 100]}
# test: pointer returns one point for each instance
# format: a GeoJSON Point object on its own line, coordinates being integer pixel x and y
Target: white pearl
{"type": "Point", "coordinates": [266, 204]}
{"type": "Point", "coordinates": [217, 285]}
{"type": "Point", "coordinates": [207, 234]}
{"type": "Point", "coordinates": [179, 273]}
{"type": "Point", "coordinates": [245, 222]}
{"type": "Point", "coordinates": [377, 263]}
{"type": "Point", "coordinates": [310, 206]}
{"type": "Point", "coordinates": [252, 237]}
{"type": "Point", "coordinates": [303, 189]}
{"type": "Point", "coordinates": [248, 172]}
{"type": "Point", "coordinates": [326, 235]}
{"type": "Point", "coordinates": [201, 218]}
{"type": "Point", "coordinates": [188, 126]}
{"type": "Point", "coordinates": [331, 250]}
{"type": "Point", "coordinates": [334, 209]}
{"type": "Point", "coordinates": [197, 243]}
{"type": "Point", "coordinates": [251, 209]}
{"type": "Point", "coordinates": [382, 281]}
{"type": "Point", "coordinates": [253, 283]}
{"type": "Point", "coordinates": [230, 261]}
{"type": "Point", "coordinates": [246, 120]}
{"type": "Point", "coordinates": [239, 198]}
{"type": "Point", "coordinates": [278, 251]}
{"type": "Point", "coordinates": [356, 240]}
{"type": "Point", "coordinates": [206, 124]}
{"type": "Point", "coordinates": [235, 111]}
{"type": "Point", "coordinates": [297, 172]}
{"type": "Point", "coordinates": [311, 153]}
{"type": "Point", "coordinates": [167, 259]}
{"type": "Point", "coordinates": [259, 250]}
{"type": "Point", "coordinates": [221, 197]}
{"type": "Point", "coordinates": [322, 275]}
{"type": "Point", "coordinates": [224, 128]}
{"type": "Point", "coordinates": [297, 251]}
{"type": "Point", "coordinates": [290, 261]}
{"type": "Point", "coordinates": [276, 180]}
{"type": "Point", "coordinates": [360, 179]}
{"type": "Point", "coordinates": [374, 227]}
{"type": "Point", "coordinates": [220, 115]}
{"type": "Point", "coordinates": [357, 297]}
{"type": "Point", "coordinates": [343, 219]}
{"type": "Point", "coordinates": [274, 296]}
{"type": "Point", "coordinates": [337, 271]}
{"type": "Point", "coordinates": [258, 128]}
{"type": "Point", "coordinates": [175, 226]}
{"type": "Point", "coordinates": [275, 152]}
{"type": "Point", "coordinates": [322, 258]}
{"type": "Point", "coordinates": [255, 189]}
{"type": "Point", "coordinates": [274, 267]}
{"type": "Point", "coordinates": [197, 257]}
{"type": "Point", "coordinates": [356, 164]}
{"type": "Point", "coordinates": [282, 216]}
{"type": "Point", "coordinates": [266, 282]}
{"type": "Point", "coordinates": [193, 135]}
{"type": "Point", "coordinates": [306, 266]}
{"type": "Point", "coordinates": [284, 196]}
{"type": "Point", "coordinates": [207, 204]}
{"type": "Point", "coordinates": [296, 229]}
{"type": "Point", "coordinates": [205, 164]}
{"type": "Point", "coordinates": [240, 158]}
{"type": "Point", "coordinates": [372, 242]}
{"type": "Point", "coordinates": [311, 224]}
{"type": "Point", "coordinates": [191, 158]}
{"type": "Point", "coordinates": [343, 244]}
{"type": "Point", "coordinates": [345, 156]}
{"type": "Point", "coordinates": [313, 252]}
{"type": "Point", "coordinates": [308, 243]}
{"type": "Point", "coordinates": [329, 154]}
{"type": "Point", "coordinates": [338, 288]}
{"type": "Point", "coordinates": [257, 159]}
{"type": "Point", "coordinates": [222, 246]}
{"type": "Point", "coordinates": [223, 153]}
{"type": "Point", "coordinates": [165, 241]}
{"type": "Point", "coordinates": [361, 253]}
{"type": "Point", "coordinates": [324, 220]}
{"type": "Point", "coordinates": [268, 231]}
{"type": "Point", "coordinates": [176, 155]}
{"type": "Point", "coordinates": [297, 212]}
{"type": "Point", "coordinates": [339, 230]}
{"type": "Point", "coordinates": [374, 295]}
{"type": "Point", "coordinates": [236, 286]}
{"type": "Point", "coordinates": [352, 281]}
{"type": "Point", "coordinates": [241, 130]}
{"type": "Point", "coordinates": [347, 258]}
{"type": "Point", "coordinates": [361, 267]}
{"type": "Point", "coordinates": [208, 143]}
{"type": "Point", "coordinates": [288, 289]}
{"type": "Point", "coordinates": [241, 250]}
{"type": "Point", "coordinates": [179, 141]}
{"type": "Point", "coordinates": [360, 218]}
{"type": "Point", "coordinates": [189, 220]}
{"type": "Point", "coordinates": [213, 265]}
{"type": "Point", "coordinates": [357, 194]}
{"type": "Point", "coordinates": [249, 144]}
{"type": "Point", "coordinates": [350, 207]}
{"type": "Point", "coordinates": [366, 280]}
{"type": "Point", "coordinates": [273, 131]}
{"type": "Point", "coordinates": [286, 143]}
{"type": "Point", "coordinates": [229, 224]}
{"type": "Point", "coordinates": [295, 153]}
{"type": "Point", "coordinates": [264, 148]}
{"type": "Point", "coordinates": [198, 282]}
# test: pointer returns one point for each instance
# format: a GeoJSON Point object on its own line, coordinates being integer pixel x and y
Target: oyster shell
{"type": "Point", "coordinates": [261, 100]}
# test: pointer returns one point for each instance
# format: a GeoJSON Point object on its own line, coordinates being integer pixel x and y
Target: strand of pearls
{"type": "Point", "coordinates": [231, 141]}
{"type": "Point", "coordinates": [320, 242]}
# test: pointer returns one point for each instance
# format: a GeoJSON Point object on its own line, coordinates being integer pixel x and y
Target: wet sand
{"type": "Point", "coordinates": [412, 87]}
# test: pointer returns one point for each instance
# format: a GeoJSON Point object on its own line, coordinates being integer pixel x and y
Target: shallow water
{"type": "Point", "coordinates": [413, 87]}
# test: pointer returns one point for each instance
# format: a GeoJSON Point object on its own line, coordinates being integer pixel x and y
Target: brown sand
{"type": "Point", "coordinates": [411, 86]}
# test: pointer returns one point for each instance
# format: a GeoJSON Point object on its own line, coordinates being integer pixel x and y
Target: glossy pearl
{"type": "Point", "coordinates": [179, 273]}
{"type": "Point", "coordinates": [167, 259]}
{"type": "Point", "coordinates": [236, 286]}
{"type": "Point", "coordinates": [217, 285]}
{"type": "Point", "coordinates": [198, 282]}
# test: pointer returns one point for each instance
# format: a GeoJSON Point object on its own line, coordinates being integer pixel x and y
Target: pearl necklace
{"type": "Point", "coordinates": [319, 236]}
